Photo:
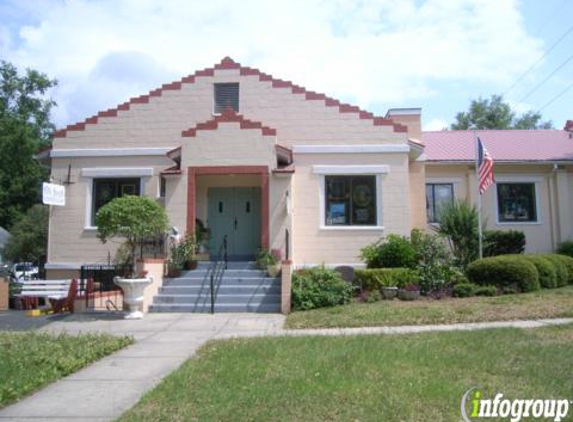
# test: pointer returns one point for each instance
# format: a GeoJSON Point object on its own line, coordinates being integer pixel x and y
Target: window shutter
{"type": "Point", "coordinates": [226, 95]}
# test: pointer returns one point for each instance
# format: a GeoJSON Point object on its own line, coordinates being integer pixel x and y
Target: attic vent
{"type": "Point", "coordinates": [226, 95]}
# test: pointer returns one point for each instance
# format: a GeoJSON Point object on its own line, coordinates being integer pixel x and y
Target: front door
{"type": "Point", "coordinates": [234, 212]}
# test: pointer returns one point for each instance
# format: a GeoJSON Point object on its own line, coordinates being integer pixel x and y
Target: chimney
{"type": "Point", "coordinates": [568, 126]}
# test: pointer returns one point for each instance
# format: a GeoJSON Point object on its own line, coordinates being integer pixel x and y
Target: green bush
{"type": "Point", "coordinates": [319, 287]}
{"type": "Point", "coordinates": [434, 261]}
{"type": "Point", "coordinates": [566, 248]}
{"type": "Point", "coordinates": [546, 269]}
{"type": "Point", "coordinates": [561, 268]}
{"type": "Point", "coordinates": [485, 291]}
{"type": "Point", "coordinates": [506, 271]}
{"type": "Point", "coordinates": [375, 278]}
{"type": "Point", "coordinates": [395, 252]}
{"type": "Point", "coordinates": [503, 242]}
{"type": "Point", "coordinates": [568, 262]}
{"type": "Point", "coordinates": [464, 290]}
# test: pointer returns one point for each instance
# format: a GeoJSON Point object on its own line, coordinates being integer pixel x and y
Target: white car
{"type": "Point", "coordinates": [23, 271]}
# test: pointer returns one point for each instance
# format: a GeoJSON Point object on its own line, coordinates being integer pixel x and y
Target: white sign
{"type": "Point", "coordinates": [53, 194]}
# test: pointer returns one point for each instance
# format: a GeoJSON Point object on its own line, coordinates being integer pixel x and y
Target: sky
{"type": "Point", "coordinates": [378, 54]}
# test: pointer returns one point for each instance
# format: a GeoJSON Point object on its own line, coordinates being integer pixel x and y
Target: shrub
{"type": "Point", "coordinates": [503, 242]}
{"type": "Point", "coordinates": [568, 262]}
{"type": "Point", "coordinates": [545, 269]}
{"type": "Point", "coordinates": [395, 252]}
{"type": "Point", "coordinates": [319, 287]}
{"type": "Point", "coordinates": [561, 269]}
{"type": "Point", "coordinates": [459, 223]}
{"type": "Point", "coordinates": [485, 291]}
{"type": "Point", "coordinates": [566, 248]}
{"type": "Point", "coordinates": [376, 278]}
{"type": "Point", "coordinates": [513, 272]}
{"type": "Point", "coordinates": [464, 290]}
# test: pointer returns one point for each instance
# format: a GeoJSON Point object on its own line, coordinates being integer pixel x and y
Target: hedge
{"type": "Point", "coordinates": [561, 268]}
{"type": "Point", "coordinates": [376, 278]}
{"type": "Point", "coordinates": [502, 242]}
{"type": "Point", "coordinates": [319, 287]}
{"type": "Point", "coordinates": [546, 270]}
{"type": "Point", "coordinates": [505, 271]}
{"type": "Point", "coordinates": [566, 248]}
{"type": "Point", "coordinates": [568, 262]}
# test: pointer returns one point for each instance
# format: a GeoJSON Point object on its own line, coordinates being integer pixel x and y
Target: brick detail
{"type": "Point", "coordinates": [225, 64]}
{"type": "Point", "coordinates": [229, 115]}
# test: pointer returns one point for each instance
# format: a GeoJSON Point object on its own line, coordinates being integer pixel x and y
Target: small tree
{"type": "Point", "coordinates": [459, 223]}
{"type": "Point", "coordinates": [134, 218]}
{"type": "Point", "coordinates": [29, 238]}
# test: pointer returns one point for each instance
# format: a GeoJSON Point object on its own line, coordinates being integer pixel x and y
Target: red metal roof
{"type": "Point", "coordinates": [503, 145]}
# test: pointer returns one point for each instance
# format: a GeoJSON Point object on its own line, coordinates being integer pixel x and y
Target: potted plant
{"type": "Point", "coordinates": [270, 261]}
{"type": "Point", "coordinates": [188, 252]}
{"type": "Point", "coordinates": [409, 292]}
{"type": "Point", "coordinates": [389, 292]}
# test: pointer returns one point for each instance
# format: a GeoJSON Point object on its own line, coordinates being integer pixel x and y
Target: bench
{"type": "Point", "coordinates": [60, 293]}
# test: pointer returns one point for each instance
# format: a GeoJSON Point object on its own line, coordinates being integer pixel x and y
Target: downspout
{"type": "Point", "coordinates": [553, 206]}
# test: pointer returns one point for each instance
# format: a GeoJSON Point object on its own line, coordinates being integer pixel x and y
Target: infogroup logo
{"type": "Point", "coordinates": [474, 407]}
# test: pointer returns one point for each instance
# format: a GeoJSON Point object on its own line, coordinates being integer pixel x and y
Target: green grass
{"type": "Point", "coordinates": [28, 361]}
{"type": "Point", "coordinates": [415, 378]}
{"type": "Point", "coordinates": [554, 303]}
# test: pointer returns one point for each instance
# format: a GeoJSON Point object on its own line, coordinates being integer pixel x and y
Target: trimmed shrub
{"type": "Point", "coordinates": [568, 262]}
{"type": "Point", "coordinates": [376, 278]}
{"type": "Point", "coordinates": [319, 287]}
{"type": "Point", "coordinates": [396, 252]}
{"type": "Point", "coordinates": [546, 269]}
{"type": "Point", "coordinates": [511, 272]}
{"type": "Point", "coordinates": [566, 248]}
{"type": "Point", "coordinates": [464, 290]}
{"type": "Point", "coordinates": [503, 242]}
{"type": "Point", "coordinates": [485, 291]}
{"type": "Point", "coordinates": [561, 269]}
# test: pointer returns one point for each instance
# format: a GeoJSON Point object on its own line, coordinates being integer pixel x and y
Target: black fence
{"type": "Point", "coordinates": [98, 288]}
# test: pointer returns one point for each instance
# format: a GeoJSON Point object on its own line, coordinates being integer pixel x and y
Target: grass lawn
{"type": "Point", "coordinates": [419, 377]}
{"type": "Point", "coordinates": [554, 303]}
{"type": "Point", "coordinates": [28, 361]}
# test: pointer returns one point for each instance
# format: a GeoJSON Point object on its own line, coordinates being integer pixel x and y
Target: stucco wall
{"type": "Point", "coordinates": [553, 211]}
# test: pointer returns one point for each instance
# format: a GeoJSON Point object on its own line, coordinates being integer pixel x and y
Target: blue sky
{"type": "Point", "coordinates": [379, 54]}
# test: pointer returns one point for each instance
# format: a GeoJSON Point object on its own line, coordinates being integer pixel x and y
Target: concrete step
{"type": "Point", "coordinates": [228, 272]}
{"type": "Point", "coordinates": [201, 281]}
{"type": "Point", "coordinates": [231, 265]}
{"type": "Point", "coordinates": [219, 308]}
{"type": "Point", "coordinates": [223, 289]}
{"type": "Point", "coordinates": [205, 297]}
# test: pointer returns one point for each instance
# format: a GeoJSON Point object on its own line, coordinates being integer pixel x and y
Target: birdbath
{"type": "Point", "coordinates": [133, 294]}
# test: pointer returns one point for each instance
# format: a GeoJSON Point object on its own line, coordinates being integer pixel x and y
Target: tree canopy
{"type": "Point", "coordinates": [29, 238]}
{"type": "Point", "coordinates": [494, 113]}
{"type": "Point", "coordinates": [25, 127]}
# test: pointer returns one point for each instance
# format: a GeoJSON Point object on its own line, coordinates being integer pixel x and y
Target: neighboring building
{"type": "Point", "coordinates": [534, 180]}
{"type": "Point", "coordinates": [254, 158]}
{"type": "Point", "coordinates": [4, 235]}
{"type": "Point", "coordinates": [250, 156]}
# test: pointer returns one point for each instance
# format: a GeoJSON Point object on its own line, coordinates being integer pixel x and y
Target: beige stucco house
{"type": "Point", "coordinates": [261, 160]}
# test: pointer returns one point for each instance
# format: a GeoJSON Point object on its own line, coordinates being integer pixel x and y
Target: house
{"type": "Point", "coordinates": [533, 171]}
{"type": "Point", "coordinates": [261, 160]}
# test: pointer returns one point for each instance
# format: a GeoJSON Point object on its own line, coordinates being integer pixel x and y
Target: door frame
{"type": "Point", "coordinates": [262, 171]}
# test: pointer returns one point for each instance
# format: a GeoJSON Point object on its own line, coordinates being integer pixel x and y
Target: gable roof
{"type": "Point", "coordinates": [229, 64]}
{"type": "Point", "coordinates": [503, 145]}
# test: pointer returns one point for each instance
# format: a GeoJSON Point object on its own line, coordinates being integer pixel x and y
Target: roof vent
{"type": "Point", "coordinates": [226, 96]}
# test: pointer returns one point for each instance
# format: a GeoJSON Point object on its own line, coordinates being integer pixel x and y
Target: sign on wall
{"type": "Point", "coordinates": [53, 194]}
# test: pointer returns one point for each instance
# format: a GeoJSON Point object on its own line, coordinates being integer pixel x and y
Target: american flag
{"type": "Point", "coordinates": [485, 168]}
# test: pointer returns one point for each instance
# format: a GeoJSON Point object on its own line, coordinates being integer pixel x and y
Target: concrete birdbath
{"type": "Point", "coordinates": [133, 289]}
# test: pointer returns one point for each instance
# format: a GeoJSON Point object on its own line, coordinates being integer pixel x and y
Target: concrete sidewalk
{"type": "Point", "coordinates": [109, 387]}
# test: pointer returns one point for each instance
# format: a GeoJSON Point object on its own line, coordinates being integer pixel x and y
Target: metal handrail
{"type": "Point", "coordinates": [217, 269]}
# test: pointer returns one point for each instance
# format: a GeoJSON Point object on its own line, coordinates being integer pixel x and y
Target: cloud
{"type": "Point", "coordinates": [370, 52]}
{"type": "Point", "coordinates": [436, 124]}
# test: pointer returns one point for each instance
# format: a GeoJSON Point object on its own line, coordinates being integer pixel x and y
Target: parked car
{"type": "Point", "coordinates": [23, 271]}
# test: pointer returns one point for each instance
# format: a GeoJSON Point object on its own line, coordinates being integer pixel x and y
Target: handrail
{"type": "Point", "coordinates": [217, 269]}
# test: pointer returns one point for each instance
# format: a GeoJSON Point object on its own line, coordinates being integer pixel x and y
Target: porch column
{"type": "Point", "coordinates": [191, 198]}
{"type": "Point", "coordinates": [265, 209]}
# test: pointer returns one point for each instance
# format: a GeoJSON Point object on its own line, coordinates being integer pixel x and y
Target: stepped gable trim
{"type": "Point", "coordinates": [229, 64]}
{"type": "Point", "coordinates": [228, 115]}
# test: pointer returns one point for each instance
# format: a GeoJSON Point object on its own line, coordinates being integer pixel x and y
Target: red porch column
{"type": "Point", "coordinates": [191, 199]}
{"type": "Point", "coordinates": [265, 210]}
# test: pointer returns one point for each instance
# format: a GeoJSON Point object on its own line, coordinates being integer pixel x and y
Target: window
{"type": "Point", "coordinates": [104, 190]}
{"type": "Point", "coordinates": [516, 202]}
{"type": "Point", "coordinates": [162, 187]}
{"type": "Point", "coordinates": [226, 95]}
{"type": "Point", "coordinates": [437, 195]}
{"type": "Point", "coordinates": [350, 200]}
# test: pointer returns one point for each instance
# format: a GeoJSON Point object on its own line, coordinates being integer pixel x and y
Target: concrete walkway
{"type": "Point", "coordinates": [109, 387]}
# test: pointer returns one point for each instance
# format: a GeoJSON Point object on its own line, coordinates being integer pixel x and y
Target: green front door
{"type": "Point", "coordinates": [234, 212]}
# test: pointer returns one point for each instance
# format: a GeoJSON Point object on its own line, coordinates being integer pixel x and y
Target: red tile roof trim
{"type": "Point", "coordinates": [229, 115]}
{"type": "Point", "coordinates": [227, 64]}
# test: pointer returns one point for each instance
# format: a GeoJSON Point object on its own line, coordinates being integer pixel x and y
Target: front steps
{"type": "Point", "coordinates": [243, 288]}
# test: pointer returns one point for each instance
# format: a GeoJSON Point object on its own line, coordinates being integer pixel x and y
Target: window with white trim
{"type": "Point", "coordinates": [226, 96]}
{"type": "Point", "coordinates": [437, 195]}
{"type": "Point", "coordinates": [350, 201]}
{"type": "Point", "coordinates": [516, 203]}
{"type": "Point", "coordinates": [104, 190]}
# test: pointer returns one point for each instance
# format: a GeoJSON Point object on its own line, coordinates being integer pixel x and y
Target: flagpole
{"type": "Point", "coordinates": [480, 253]}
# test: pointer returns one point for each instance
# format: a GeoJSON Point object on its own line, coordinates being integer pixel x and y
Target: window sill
{"type": "Point", "coordinates": [90, 228]}
{"type": "Point", "coordinates": [518, 223]}
{"type": "Point", "coordinates": [357, 228]}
